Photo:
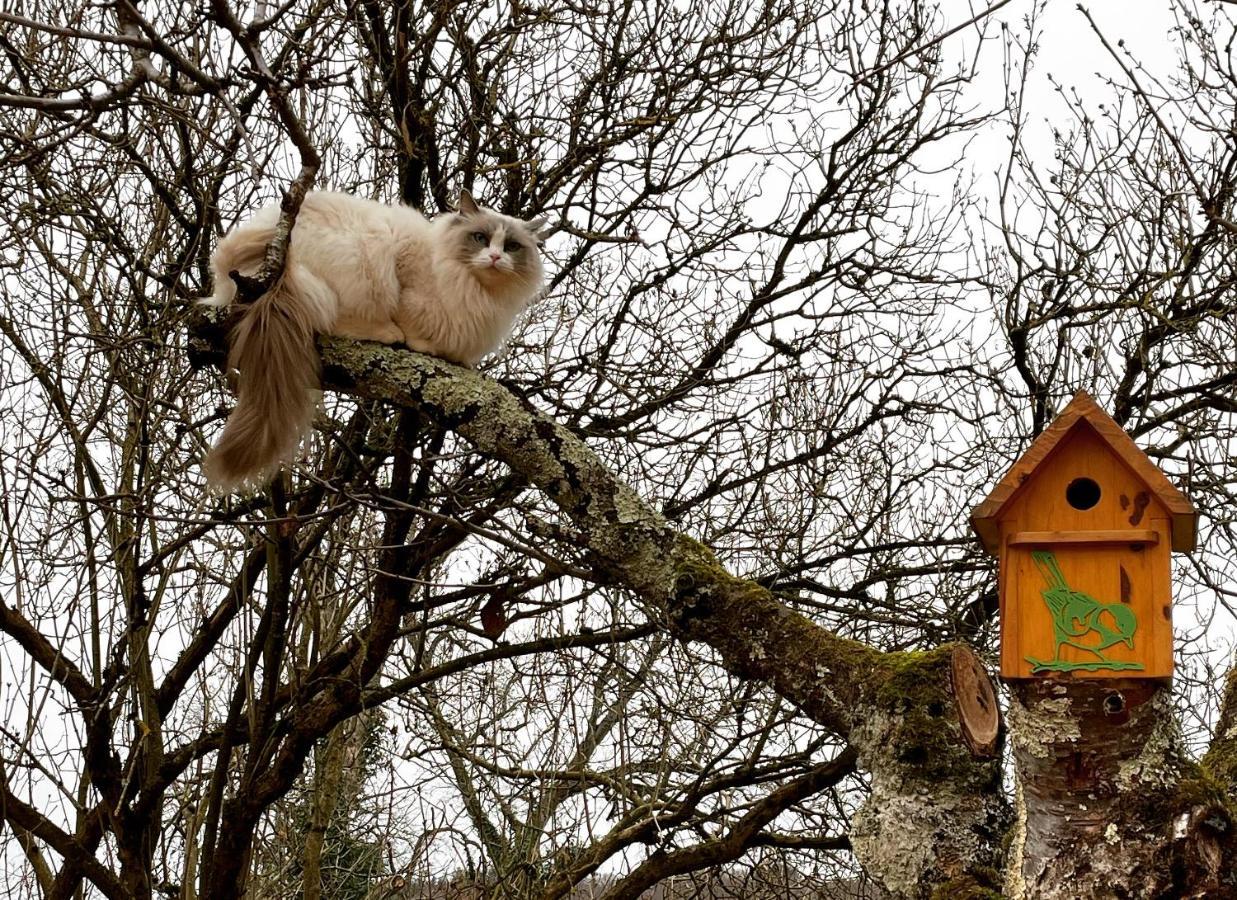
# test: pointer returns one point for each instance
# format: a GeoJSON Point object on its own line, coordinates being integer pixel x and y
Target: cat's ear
{"type": "Point", "coordinates": [537, 228]}
{"type": "Point", "coordinates": [468, 206]}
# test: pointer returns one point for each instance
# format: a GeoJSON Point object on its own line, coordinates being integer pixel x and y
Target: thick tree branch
{"type": "Point", "coordinates": [53, 661]}
{"type": "Point", "coordinates": [678, 581]}
{"type": "Point", "coordinates": [897, 709]}
{"type": "Point", "coordinates": [1221, 758]}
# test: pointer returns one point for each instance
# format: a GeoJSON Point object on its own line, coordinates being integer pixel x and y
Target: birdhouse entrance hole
{"type": "Point", "coordinates": [1082, 493]}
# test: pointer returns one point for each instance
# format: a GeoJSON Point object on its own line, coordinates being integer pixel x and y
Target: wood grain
{"type": "Point", "coordinates": [1115, 554]}
{"type": "Point", "coordinates": [1084, 414]}
{"type": "Point", "coordinates": [1095, 536]}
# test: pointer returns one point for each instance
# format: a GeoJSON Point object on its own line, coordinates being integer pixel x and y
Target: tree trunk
{"type": "Point", "coordinates": [1108, 805]}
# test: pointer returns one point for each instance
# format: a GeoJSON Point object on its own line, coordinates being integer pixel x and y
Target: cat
{"type": "Point", "coordinates": [450, 287]}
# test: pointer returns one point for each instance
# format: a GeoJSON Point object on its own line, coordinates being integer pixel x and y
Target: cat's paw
{"type": "Point", "coordinates": [391, 335]}
{"type": "Point", "coordinates": [419, 345]}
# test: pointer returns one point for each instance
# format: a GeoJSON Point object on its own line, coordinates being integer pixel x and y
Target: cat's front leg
{"type": "Point", "coordinates": [414, 343]}
{"type": "Point", "coordinates": [410, 335]}
{"type": "Point", "coordinates": [415, 313]}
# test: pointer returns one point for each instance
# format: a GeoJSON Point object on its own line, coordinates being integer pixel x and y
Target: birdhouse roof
{"type": "Point", "coordinates": [1083, 412]}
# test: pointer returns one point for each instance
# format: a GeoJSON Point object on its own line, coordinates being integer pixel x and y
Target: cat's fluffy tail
{"type": "Point", "coordinates": [273, 349]}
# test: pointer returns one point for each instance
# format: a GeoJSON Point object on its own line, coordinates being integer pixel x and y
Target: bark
{"type": "Point", "coordinates": [1108, 803]}
{"type": "Point", "coordinates": [338, 778]}
{"type": "Point", "coordinates": [1221, 758]}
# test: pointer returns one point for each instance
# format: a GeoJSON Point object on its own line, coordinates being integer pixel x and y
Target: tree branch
{"type": "Point", "coordinates": [741, 835]}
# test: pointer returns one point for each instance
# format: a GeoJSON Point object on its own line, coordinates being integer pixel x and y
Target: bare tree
{"type": "Point", "coordinates": [665, 590]}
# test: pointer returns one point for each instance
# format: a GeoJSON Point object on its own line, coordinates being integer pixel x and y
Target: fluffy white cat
{"type": "Point", "coordinates": [451, 287]}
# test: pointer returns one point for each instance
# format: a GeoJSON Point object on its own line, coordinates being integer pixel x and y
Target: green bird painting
{"type": "Point", "coordinates": [1077, 616]}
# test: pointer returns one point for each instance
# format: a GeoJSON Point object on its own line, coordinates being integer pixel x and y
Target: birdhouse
{"type": "Point", "coordinates": [1083, 526]}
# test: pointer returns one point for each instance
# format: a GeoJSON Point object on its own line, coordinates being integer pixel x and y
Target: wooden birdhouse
{"type": "Point", "coordinates": [1083, 526]}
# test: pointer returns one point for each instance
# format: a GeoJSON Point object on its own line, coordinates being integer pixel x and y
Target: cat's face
{"type": "Point", "coordinates": [497, 249]}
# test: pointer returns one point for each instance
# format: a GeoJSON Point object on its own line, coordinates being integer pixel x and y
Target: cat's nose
{"type": "Point", "coordinates": [495, 255]}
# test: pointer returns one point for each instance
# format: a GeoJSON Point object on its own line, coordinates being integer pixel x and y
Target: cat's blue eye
{"type": "Point", "coordinates": [480, 237]}
{"type": "Point", "coordinates": [512, 246]}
